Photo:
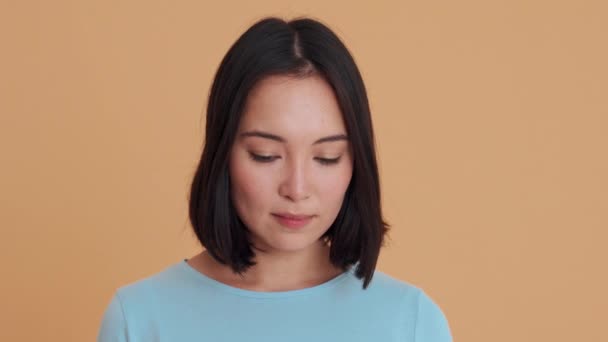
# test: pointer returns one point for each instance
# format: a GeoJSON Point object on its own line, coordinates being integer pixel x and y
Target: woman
{"type": "Point", "coordinates": [286, 202]}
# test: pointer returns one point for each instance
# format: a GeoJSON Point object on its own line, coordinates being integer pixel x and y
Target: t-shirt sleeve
{"type": "Point", "coordinates": [431, 323]}
{"type": "Point", "coordinates": [113, 324]}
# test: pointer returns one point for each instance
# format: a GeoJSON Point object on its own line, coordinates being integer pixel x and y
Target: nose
{"type": "Point", "coordinates": [294, 185]}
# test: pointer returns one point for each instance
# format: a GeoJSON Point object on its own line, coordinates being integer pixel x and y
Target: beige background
{"type": "Point", "coordinates": [491, 119]}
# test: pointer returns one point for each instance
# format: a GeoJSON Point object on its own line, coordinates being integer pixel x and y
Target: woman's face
{"type": "Point", "coordinates": [292, 156]}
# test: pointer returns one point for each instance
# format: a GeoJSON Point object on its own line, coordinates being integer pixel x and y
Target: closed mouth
{"type": "Point", "coordinates": [293, 217]}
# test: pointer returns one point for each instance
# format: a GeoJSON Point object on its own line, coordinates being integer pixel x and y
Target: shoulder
{"type": "Point", "coordinates": [417, 308]}
{"type": "Point", "coordinates": [431, 322]}
{"type": "Point", "coordinates": [155, 292]}
{"type": "Point", "coordinates": [385, 286]}
{"type": "Point", "coordinates": [164, 280]}
{"type": "Point", "coordinates": [132, 304]}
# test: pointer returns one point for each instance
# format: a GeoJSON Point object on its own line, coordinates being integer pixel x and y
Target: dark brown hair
{"type": "Point", "coordinates": [299, 48]}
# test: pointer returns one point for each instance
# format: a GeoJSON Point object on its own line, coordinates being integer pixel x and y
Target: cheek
{"type": "Point", "coordinates": [334, 186]}
{"type": "Point", "coordinates": [249, 187]}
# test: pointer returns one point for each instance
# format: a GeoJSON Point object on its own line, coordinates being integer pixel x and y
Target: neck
{"type": "Point", "coordinates": [282, 271]}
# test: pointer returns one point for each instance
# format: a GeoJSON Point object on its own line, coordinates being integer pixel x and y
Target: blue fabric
{"type": "Point", "coordinates": [180, 304]}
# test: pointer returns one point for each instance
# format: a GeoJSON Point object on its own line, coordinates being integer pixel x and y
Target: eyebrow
{"type": "Point", "coordinates": [337, 137]}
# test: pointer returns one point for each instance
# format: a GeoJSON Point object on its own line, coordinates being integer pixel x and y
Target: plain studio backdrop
{"type": "Point", "coordinates": [491, 120]}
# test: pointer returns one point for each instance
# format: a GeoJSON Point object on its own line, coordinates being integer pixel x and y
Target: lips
{"type": "Point", "coordinates": [293, 221]}
{"type": "Point", "coordinates": [293, 216]}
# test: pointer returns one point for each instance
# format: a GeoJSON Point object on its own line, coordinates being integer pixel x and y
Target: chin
{"type": "Point", "coordinates": [289, 245]}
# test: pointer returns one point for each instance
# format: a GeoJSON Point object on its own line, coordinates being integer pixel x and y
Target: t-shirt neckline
{"type": "Point", "coordinates": [183, 264]}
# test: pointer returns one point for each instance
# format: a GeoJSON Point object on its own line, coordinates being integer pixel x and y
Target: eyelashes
{"type": "Point", "coordinates": [268, 159]}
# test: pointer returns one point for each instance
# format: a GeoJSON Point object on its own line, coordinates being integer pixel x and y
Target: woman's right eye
{"type": "Point", "coordinates": [261, 159]}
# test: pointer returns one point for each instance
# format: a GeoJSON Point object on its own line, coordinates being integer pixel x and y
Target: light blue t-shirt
{"type": "Point", "coordinates": [181, 304]}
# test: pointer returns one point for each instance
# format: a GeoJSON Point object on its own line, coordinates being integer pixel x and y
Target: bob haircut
{"type": "Point", "coordinates": [298, 48]}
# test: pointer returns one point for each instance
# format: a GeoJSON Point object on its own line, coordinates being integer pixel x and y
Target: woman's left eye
{"type": "Point", "coordinates": [328, 161]}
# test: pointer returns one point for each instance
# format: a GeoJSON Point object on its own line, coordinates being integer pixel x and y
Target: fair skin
{"type": "Point", "coordinates": [291, 155]}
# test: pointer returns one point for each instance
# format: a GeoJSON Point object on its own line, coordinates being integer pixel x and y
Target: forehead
{"type": "Point", "coordinates": [293, 107]}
